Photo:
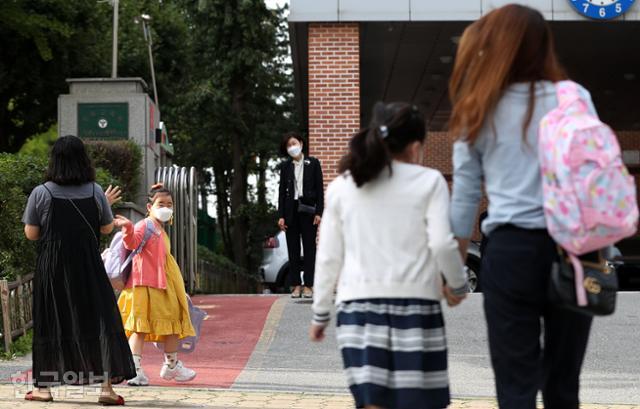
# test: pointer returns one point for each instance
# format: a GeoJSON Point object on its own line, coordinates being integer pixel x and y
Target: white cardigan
{"type": "Point", "coordinates": [390, 238]}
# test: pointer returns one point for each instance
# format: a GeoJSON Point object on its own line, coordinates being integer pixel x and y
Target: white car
{"type": "Point", "coordinates": [274, 270]}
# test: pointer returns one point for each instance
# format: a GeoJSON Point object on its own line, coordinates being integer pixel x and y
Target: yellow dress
{"type": "Point", "coordinates": [157, 312]}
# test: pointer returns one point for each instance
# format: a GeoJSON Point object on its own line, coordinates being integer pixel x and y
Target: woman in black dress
{"type": "Point", "coordinates": [78, 337]}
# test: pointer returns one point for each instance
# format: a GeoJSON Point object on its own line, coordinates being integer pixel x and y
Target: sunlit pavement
{"type": "Point", "coordinates": [254, 353]}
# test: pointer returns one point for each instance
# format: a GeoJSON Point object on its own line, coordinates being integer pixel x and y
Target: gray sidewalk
{"type": "Point", "coordinates": [284, 359]}
{"type": "Point", "coordinates": [287, 371]}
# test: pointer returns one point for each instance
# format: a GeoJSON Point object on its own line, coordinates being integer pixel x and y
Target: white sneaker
{"type": "Point", "coordinates": [140, 379]}
{"type": "Point", "coordinates": [179, 373]}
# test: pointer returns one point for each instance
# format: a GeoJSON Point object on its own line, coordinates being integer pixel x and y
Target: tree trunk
{"type": "Point", "coordinates": [238, 201]}
{"type": "Point", "coordinates": [262, 180]}
{"type": "Point", "coordinates": [239, 231]}
{"type": "Point", "coordinates": [222, 206]}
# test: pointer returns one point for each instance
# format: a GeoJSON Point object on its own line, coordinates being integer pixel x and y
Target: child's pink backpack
{"type": "Point", "coordinates": [589, 196]}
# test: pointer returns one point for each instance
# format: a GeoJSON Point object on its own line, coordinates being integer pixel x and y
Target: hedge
{"type": "Point", "coordinates": [19, 174]}
{"type": "Point", "coordinates": [122, 159]}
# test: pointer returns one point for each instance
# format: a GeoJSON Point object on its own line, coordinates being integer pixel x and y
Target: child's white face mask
{"type": "Point", "coordinates": [162, 213]}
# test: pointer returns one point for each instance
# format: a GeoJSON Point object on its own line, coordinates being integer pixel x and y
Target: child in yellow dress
{"type": "Point", "coordinates": [153, 305]}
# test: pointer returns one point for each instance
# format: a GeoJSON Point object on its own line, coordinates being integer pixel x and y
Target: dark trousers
{"type": "Point", "coordinates": [301, 227]}
{"type": "Point", "coordinates": [516, 267]}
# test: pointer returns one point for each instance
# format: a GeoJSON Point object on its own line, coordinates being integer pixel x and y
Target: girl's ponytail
{"type": "Point", "coordinates": [394, 126]}
{"type": "Point", "coordinates": [368, 155]}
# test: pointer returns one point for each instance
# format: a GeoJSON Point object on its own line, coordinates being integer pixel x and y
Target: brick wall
{"type": "Point", "coordinates": [334, 103]}
{"type": "Point", "coordinates": [334, 91]}
{"type": "Point", "coordinates": [438, 152]}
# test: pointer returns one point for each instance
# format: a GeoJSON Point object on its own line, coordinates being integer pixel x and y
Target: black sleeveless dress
{"type": "Point", "coordinates": [78, 337]}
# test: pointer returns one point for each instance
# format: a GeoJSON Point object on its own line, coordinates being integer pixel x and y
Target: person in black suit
{"type": "Point", "coordinates": [300, 206]}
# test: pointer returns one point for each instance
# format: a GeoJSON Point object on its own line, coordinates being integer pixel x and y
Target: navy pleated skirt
{"type": "Point", "coordinates": [394, 352]}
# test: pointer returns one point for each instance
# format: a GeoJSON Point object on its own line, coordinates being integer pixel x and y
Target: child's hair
{"type": "Point", "coordinates": [156, 190]}
{"type": "Point", "coordinates": [394, 126]}
{"type": "Point", "coordinates": [510, 44]}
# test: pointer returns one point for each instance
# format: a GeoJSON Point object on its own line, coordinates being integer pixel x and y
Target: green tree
{"type": "Point", "coordinates": [237, 105]}
{"type": "Point", "coordinates": [44, 42]}
{"type": "Point", "coordinates": [41, 44]}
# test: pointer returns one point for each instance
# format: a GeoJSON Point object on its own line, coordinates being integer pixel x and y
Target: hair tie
{"type": "Point", "coordinates": [384, 131]}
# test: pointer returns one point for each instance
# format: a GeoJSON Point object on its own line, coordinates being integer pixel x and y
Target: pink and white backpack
{"type": "Point", "coordinates": [589, 196]}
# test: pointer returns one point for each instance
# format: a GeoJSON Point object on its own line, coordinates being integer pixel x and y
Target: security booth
{"type": "Point", "coordinates": [348, 54]}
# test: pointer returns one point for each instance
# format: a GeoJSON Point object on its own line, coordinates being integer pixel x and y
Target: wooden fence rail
{"type": "Point", "coordinates": [16, 300]}
{"type": "Point", "coordinates": [211, 279]}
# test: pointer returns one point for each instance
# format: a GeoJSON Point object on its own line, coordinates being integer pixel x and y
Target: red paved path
{"type": "Point", "coordinates": [228, 337]}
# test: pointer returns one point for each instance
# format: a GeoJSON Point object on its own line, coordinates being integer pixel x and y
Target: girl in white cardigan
{"type": "Point", "coordinates": [385, 241]}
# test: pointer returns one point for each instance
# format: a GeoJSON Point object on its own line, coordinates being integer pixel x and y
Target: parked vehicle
{"type": "Point", "coordinates": [472, 266]}
{"type": "Point", "coordinates": [274, 270]}
{"type": "Point", "coordinates": [627, 268]}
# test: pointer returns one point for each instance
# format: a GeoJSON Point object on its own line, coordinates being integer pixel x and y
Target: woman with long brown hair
{"type": "Point", "coordinates": [502, 85]}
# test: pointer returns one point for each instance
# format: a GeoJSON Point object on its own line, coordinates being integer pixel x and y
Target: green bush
{"type": "Point", "coordinates": [120, 158]}
{"type": "Point", "coordinates": [219, 261]}
{"type": "Point", "coordinates": [20, 347]}
{"type": "Point", "coordinates": [40, 144]}
{"type": "Point", "coordinates": [19, 174]}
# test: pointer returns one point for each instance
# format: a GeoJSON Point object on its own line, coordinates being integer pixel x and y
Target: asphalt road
{"type": "Point", "coordinates": [286, 360]}
{"type": "Point", "coordinates": [611, 373]}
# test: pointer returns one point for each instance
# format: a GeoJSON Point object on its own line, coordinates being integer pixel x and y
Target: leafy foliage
{"type": "Point", "coordinates": [40, 144]}
{"type": "Point", "coordinates": [19, 174]}
{"type": "Point", "coordinates": [236, 107]}
{"type": "Point", "coordinates": [42, 43]}
{"type": "Point", "coordinates": [21, 347]}
{"type": "Point", "coordinates": [122, 158]}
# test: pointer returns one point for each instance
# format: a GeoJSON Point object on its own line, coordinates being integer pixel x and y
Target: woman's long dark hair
{"type": "Point", "coordinates": [394, 126]}
{"type": "Point", "coordinates": [69, 163]}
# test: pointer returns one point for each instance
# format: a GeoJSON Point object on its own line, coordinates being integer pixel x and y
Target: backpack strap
{"type": "Point", "coordinates": [148, 232]}
{"type": "Point", "coordinates": [568, 93]}
{"type": "Point", "coordinates": [581, 293]}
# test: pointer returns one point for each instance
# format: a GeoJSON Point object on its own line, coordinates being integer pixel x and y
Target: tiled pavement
{"type": "Point", "coordinates": [179, 398]}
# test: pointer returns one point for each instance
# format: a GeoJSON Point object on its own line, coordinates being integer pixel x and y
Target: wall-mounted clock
{"type": "Point", "coordinates": [601, 9]}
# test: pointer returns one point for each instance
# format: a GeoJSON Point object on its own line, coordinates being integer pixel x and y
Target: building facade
{"type": "Point", "coordinates": [348, 54]}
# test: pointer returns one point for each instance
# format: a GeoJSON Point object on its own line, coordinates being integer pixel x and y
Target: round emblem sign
{"type": "Point", "coordinates": [601, 9]}
{"type": "Point", "coordinates": [103, 123]}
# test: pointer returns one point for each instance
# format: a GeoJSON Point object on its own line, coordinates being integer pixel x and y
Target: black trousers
{"type": "Point", "coordinates": [301, 227]}
{"type": "Point", "coordinates": [516, 268]}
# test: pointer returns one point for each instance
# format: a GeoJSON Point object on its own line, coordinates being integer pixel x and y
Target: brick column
{"type": "Point", "coordinates": [334, 91]}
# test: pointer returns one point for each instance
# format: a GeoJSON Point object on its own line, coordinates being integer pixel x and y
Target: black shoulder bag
{"type": "Point", "coordinates": [600, 282]}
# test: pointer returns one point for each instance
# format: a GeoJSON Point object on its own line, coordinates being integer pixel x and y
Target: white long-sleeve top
{"type": "Point", "coordinates": [390, 238]}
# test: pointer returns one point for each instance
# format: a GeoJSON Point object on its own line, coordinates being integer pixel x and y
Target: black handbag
{"type": "Point", "coordinates": [304, 208]}
{"type": "Point", "coordinates": [600, 282]}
